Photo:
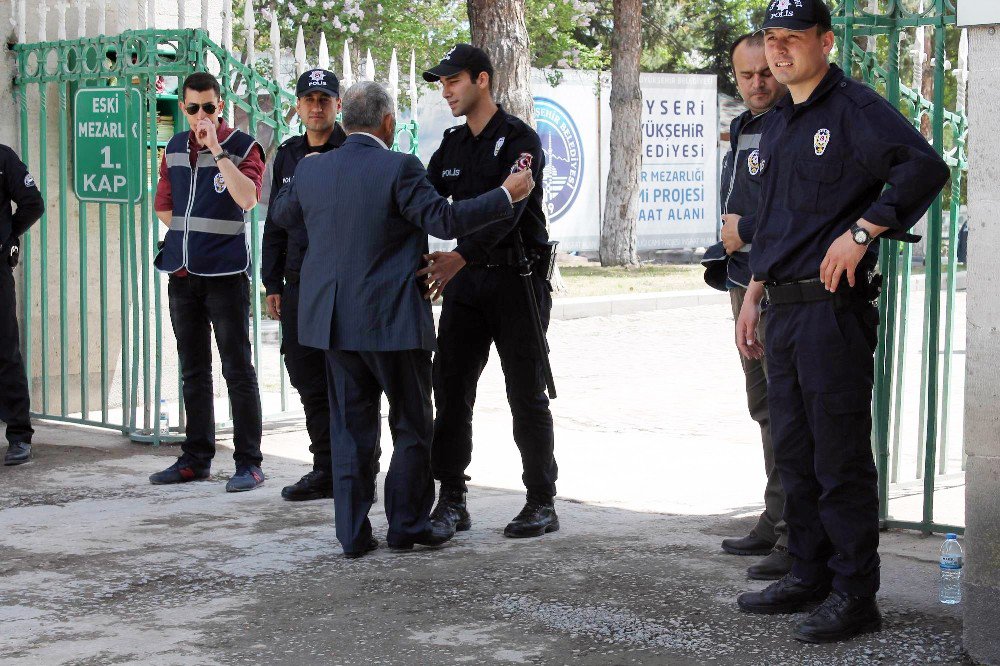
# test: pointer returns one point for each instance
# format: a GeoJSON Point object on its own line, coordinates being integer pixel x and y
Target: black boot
{"type": "Point", "coordinates": [839, 618]}
{"type": "Point", "coordinates": [788, 595]}
{"type": "Point", "coordinates": [748, 545]}
{"type": "Point", "coordinates": [772, 567]}
{"type": "Point", "coordinates": [18, 453]}
{"type": "Point", "coordinates": [450, 511]}
{"type": "Point", "coordinates": [317, 484]}
{"type": "Point", "coordinates": [436, 534]}
{"type": "Point", "coordinates": [535, 519]}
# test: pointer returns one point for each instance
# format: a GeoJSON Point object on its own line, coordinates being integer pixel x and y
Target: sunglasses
{"type": "Point", "coordinates": [208, 107]}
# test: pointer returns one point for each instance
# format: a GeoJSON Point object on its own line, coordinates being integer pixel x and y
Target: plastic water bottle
{"type": "Point", "coordinates": [952, 560]}
{"type": "Point", "coordinates": [164, 419]}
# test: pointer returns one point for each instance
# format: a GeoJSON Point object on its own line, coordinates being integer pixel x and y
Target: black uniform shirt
{"type": "Point", "coordinates": [17, 186]}
{"type": "Point", "coordinates": [279, 251]}
{"type": "Point", "coordinates": [466, 166]}
{"type": "Point", "coordinates": [826, 163]}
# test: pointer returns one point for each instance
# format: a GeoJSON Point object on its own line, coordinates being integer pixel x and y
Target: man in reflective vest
{"type": "Point", "coordinates": [210, 177]}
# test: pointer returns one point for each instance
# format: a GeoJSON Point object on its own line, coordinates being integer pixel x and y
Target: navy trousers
{"type": "Point", "coordinates": [14, 398]}
{"type": "Point", "coordinates": [486, 306]}
{"type": "Point", "coordinates": [820, 373]}
{"type": "Point", "coordinates": [307, 372]}
{"type": "Point", "coordinates": [357, 381]}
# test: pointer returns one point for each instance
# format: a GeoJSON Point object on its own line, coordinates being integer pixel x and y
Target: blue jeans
{"type": "Point", "coordinates": [199, 305]}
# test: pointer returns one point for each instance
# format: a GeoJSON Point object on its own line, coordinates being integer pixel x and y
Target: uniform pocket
{"type": "Point", "coordinates": [813, 177]}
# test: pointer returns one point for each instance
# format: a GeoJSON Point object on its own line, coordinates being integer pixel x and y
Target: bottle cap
{"type": "Point", "coordinates": [951, 535]}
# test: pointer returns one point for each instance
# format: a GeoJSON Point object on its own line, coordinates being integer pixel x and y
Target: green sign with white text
{"type": "Point", "coordinates": [106, 148]}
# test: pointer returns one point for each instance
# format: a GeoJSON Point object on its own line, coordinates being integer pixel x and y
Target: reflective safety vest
{"type": "Point", "coordinates": [208, 231]}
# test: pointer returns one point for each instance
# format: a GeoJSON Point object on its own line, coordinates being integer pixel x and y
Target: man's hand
{"type": "Point", "coordinates": [204, 131]}
{"type": "Point", "coordinates": [730, 233]}
{"type": "Point", "coordinates": [274, 306]}
{"type": "Point", "coordinates": [519, 185]}
{"type": "Point", "coordinates": [441, 268]}
{"type": "Point", "coordinates": [746, 323]}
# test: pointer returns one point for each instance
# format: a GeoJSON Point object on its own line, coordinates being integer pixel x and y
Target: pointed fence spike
{"type": "Point", "coordinates": [394, 82]}
{"type": "Point", "coordinates": [248, 27]}
{"type": "Point", "coordinates": [369, 67]}
{"type": "Point", "coordinates": [227, 25]}
{"type": "Point", "coordinates": [275, 46]}
{"type": "Point", "coordinates": [300, 53]}
{"type": "Point", "coordinates": [323, 57]}
{"type": "Point", "coordinates": [413, 85]}
{"type": "Point", "coordinates": [348, 73]}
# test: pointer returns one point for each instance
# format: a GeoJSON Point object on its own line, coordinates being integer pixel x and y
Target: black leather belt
{"type": "Point", "coordinates": [498, 256]}
{"type": "Point", "coordinates": [291, 277]}
{"type": "Point", "coordinates": [810, 291]}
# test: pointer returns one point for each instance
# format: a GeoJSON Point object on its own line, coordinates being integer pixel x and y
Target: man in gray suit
{"type": "Point", "coordinates": [367, 212]}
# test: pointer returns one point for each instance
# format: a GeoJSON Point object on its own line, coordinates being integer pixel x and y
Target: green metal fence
{"type": "Point", "coordinates": [869, 39]}
{"type": "Point", "coordinates": [94, 340]}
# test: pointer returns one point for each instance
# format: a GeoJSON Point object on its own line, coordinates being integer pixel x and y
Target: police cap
{"type": "Point", "coordinates": [796, 15]}
{"type": "Point", "coordinates": [320, 80]}
{"type": "Point", "coordinates": [460, 58]}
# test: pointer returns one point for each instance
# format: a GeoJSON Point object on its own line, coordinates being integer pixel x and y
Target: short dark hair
{"type": "Point", "coordinates": [474, 74]}
{"type": "Point", "coordinates": [754, 39]}
{"type": "Point", "coordinates": [201, 82]}
{"type": "Point", "coordinates": [824, 22]}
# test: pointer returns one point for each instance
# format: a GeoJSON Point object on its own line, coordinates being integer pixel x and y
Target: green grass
{"type": "Point", "coordinates": [601, 281]}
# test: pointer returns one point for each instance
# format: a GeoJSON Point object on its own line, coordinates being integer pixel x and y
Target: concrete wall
{"type": "Point", "coordinates": [982, 401]}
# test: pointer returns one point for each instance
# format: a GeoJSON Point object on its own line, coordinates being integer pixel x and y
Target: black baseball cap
{"type": "Point", "coordinates": [321, 80]}
{"type": "Point", "coordinates": [460, 58]}
{"type": "Point", "coordinates": [796, 15]}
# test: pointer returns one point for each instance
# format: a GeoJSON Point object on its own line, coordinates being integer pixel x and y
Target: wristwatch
{"type": "Point", "coordinates": [860, 235]}
{"type": "Point", "coordinates": [222, 155]}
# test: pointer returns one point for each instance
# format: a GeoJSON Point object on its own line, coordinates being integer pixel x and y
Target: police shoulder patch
{"type": "Point", "coordinates": [28, 180]}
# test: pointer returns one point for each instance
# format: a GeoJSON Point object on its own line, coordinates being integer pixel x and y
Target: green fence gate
{"type": "Point", "coordinates": [916, 447]}
{"type": "Point", "coordinates": [95, 345]}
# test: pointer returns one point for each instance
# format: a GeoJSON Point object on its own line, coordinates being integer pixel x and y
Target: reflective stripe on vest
{"type": "Point", "coordinates": [208, 229]}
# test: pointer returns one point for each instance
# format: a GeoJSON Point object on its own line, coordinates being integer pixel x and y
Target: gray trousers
{"type": "Point", "coordinates": [770, 525]}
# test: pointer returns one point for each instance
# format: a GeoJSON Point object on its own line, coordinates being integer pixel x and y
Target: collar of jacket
{"type": "Point", "coordinates": [742, 122]}
{"type": "Point", "coordinates": [492, 127]}
{"type": "Point", "coordinates": [336, 139]}
{"type": "Point", "coordinates": [829, 82]}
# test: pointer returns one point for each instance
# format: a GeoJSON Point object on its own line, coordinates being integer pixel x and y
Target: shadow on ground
{"type": "Point", "coordinates": [99, 567]}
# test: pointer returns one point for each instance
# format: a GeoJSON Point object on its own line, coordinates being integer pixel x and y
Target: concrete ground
{"type": "Point", "coordinates": [658, 462]}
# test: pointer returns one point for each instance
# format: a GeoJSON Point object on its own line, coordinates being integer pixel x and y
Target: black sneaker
{"type": "Point", "coordinates": [315, 485]}
{"type": "Point", "coordinates": [451, 512]}
{"type": "Point", "coordinates": [182, 471]}
{"type": "Point", "coordinates": [247, 477]}
{"type": "Point", "coordinates": [534, 520]}
{"type": "Point", "coordinates": [839, 618]}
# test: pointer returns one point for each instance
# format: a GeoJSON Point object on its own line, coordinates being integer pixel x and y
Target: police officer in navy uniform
{"type": "Point", "coordinates": [827, 157]}
{"type": "Point", "coordinates": [318, 93]}
{"type": "Point", "coordinates": [484, 300]}
{"type": "Point", "coordinates": [17, 187]}
{"type": "Point", "coordinates": [740, 195]}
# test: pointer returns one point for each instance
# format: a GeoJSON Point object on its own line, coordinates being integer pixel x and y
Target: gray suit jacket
{"type": "Point", "coordinates": [367, 212]}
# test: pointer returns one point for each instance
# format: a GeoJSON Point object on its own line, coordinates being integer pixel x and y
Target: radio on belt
{"type": "Point", "coordinates": [523, 162]}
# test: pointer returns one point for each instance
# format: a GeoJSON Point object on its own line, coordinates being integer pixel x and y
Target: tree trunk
{"type": "Point", "coordinates": [498, 28]}
{"type": "Point", "coordinates": [618, 235]}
